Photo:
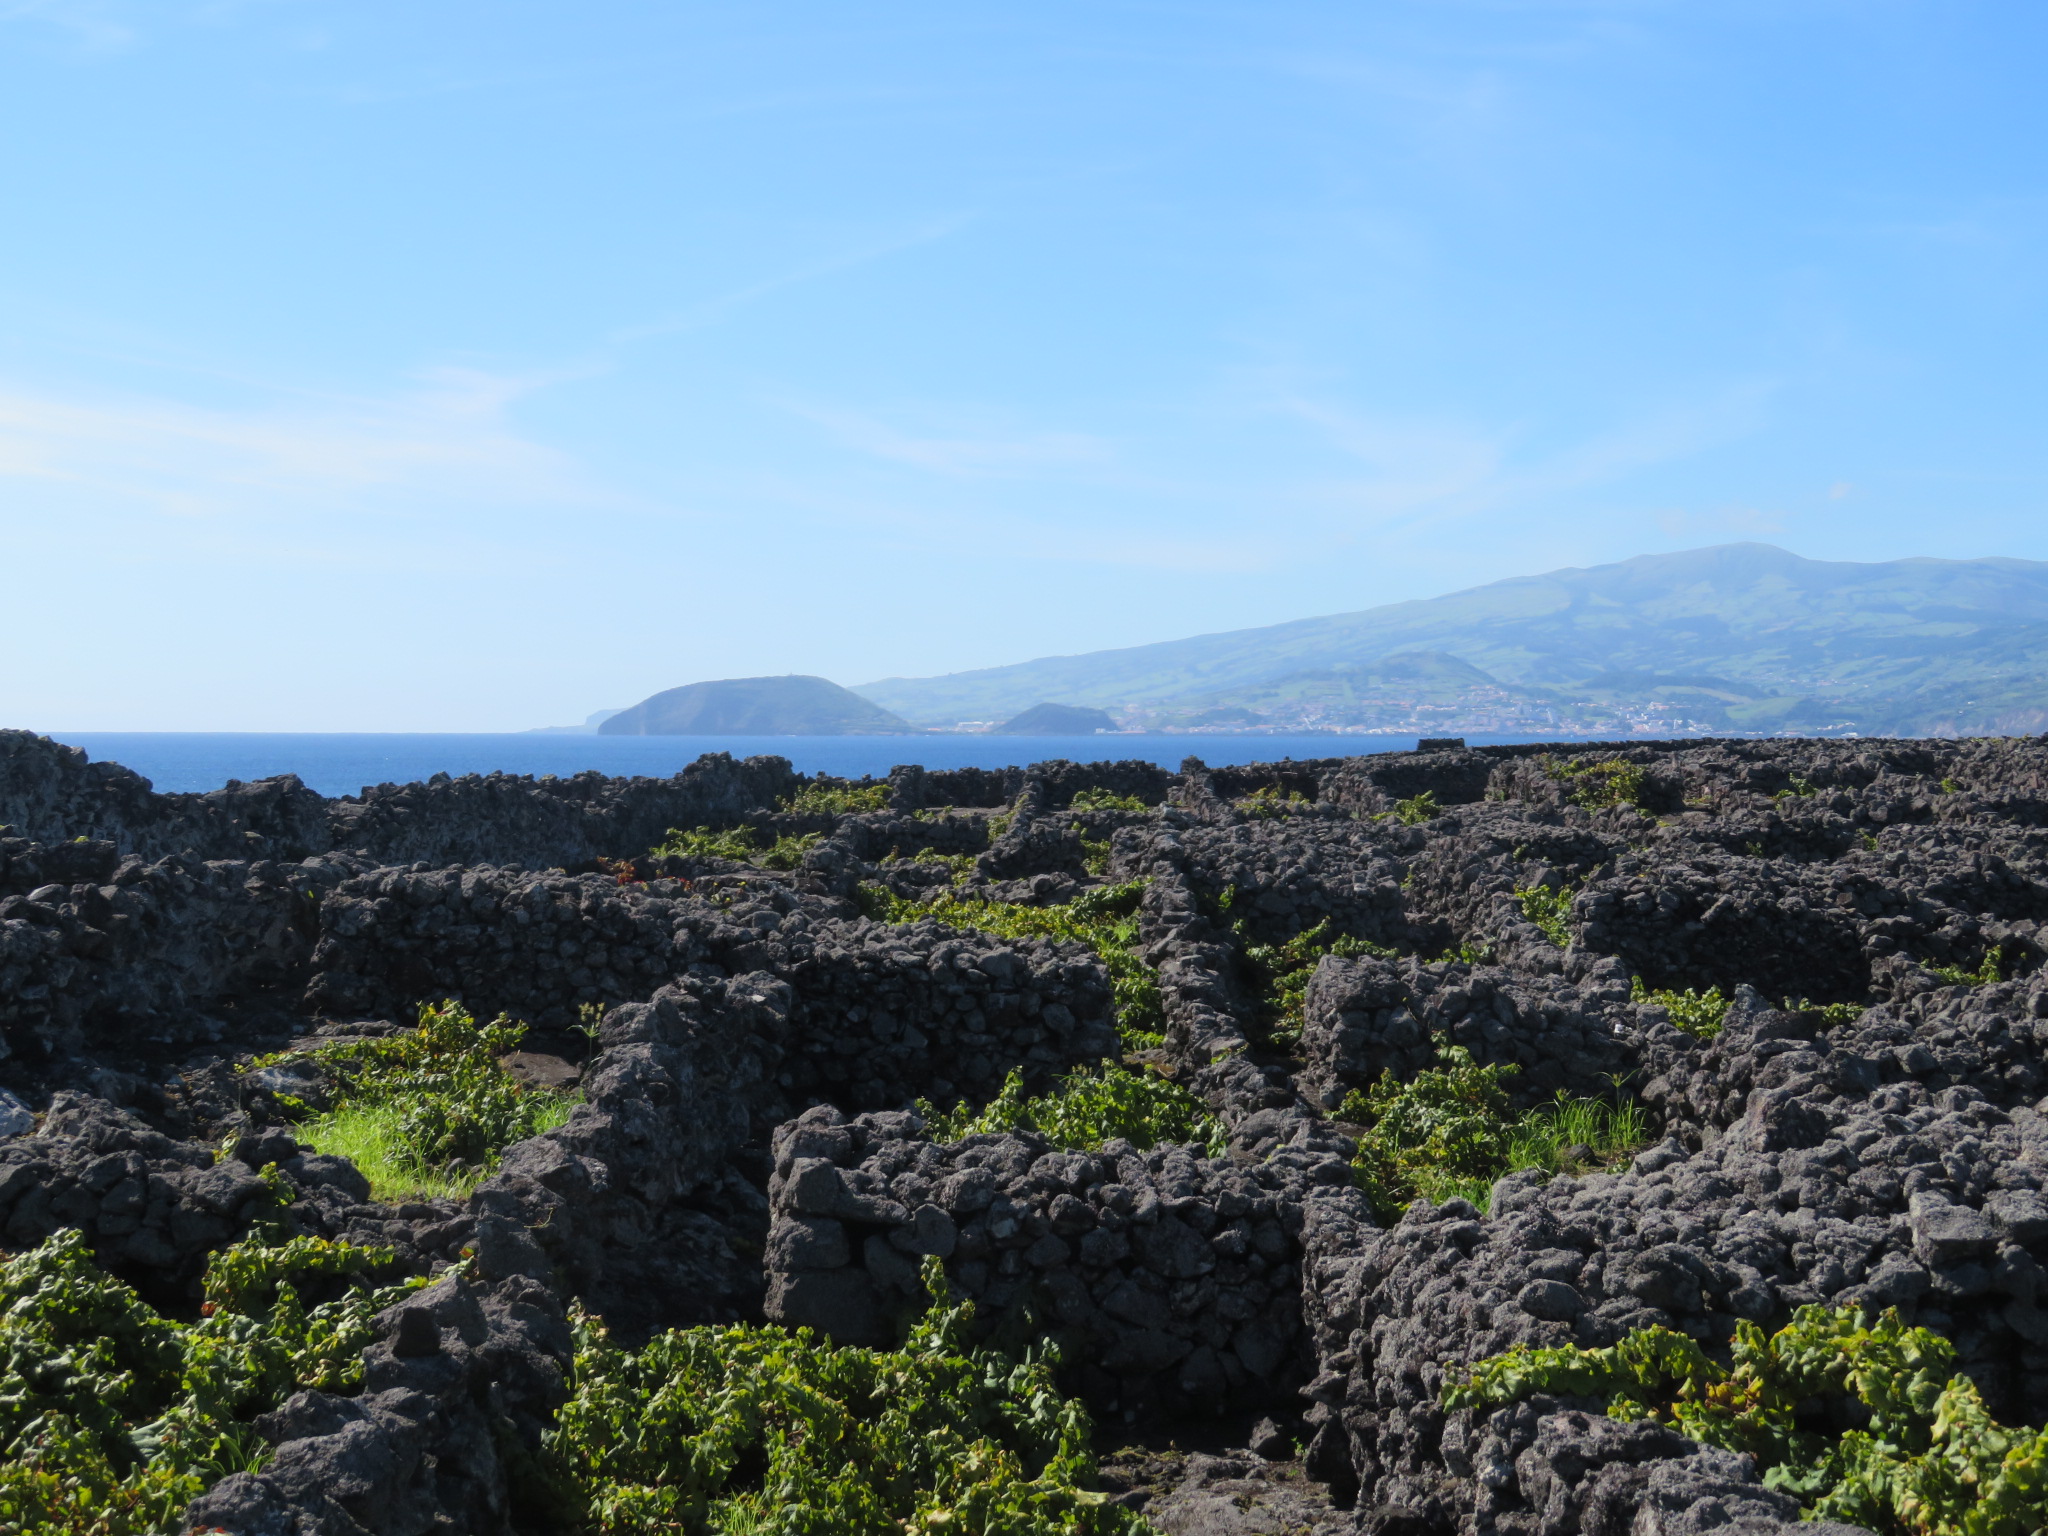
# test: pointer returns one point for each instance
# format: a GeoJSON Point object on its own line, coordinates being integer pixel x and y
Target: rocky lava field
{"type": "Point", "coordinates": [1810, 967]}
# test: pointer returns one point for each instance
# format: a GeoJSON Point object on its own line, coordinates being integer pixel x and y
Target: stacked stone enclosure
{"type": "Point", "coordinates": [1868, 1127]}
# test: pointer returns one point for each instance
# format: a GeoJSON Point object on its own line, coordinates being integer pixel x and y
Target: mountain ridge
{"type": "Point", "coordinates": [1869, 645]}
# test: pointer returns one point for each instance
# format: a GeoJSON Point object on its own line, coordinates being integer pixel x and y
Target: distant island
{"type": "Point", "coordinates": [1056, 720]}
{"type": "Point", "coordinates": [756, 706]}
{"type": "Point", "coordinates": [1741, 638]}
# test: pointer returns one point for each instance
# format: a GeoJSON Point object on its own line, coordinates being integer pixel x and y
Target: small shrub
{"type": "Point", "coordinates": [407, 1106]}
{"type": "Point", "coordinates": [1280, 974]}
{"type": "Point", "coordinates": [1549, 908]}
{"type": "Point", "coordinates": [113, 1418]}
{"type": "Point", "coordinates": [1089, 1108]}
{"type": "Point", "coordinates": [1697, 1013]}
{"type": "Point", "coordinates": [1095, 855]}
{"type": "Point", "coordinates": [1448, 1133]}
{"type": "Point", "coordinates": [1987, 974]}
{"type": "Point", "coordinates": [1468, 953]}
{"type": "Point", "coordinates": [1802, 789]}
{"type": "Point", "coordinates": [759, 1430]}
{"type": "Point", "coordinates": [1831, 1014]}
{"type": "Point", "coordinates": [1106, 800]}
{"type": "Point", "coordinates": [1271, 801]}
{"type": "Point", "coordinates": [958, 865]}
{"type": "Point", "coordinates": [1951, 786]}
{"type": "Point", "coordinates": [1598, 786]}
{"type": "Point", "coordinates": [740, 845]}
{"type": "Point", "coordinates": [1417, 809]}
{"type": "Point", "coordinates": [837, 799]}
{"type": "Point", "coordinates": [1929, 1461]}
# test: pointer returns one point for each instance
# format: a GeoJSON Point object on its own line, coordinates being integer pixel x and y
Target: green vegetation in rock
{"type": "Point", "coordinates": [1106, 800]}
{"type": "Point", "coordinates": [957, 865]}
{"type": "Point", "coordinates": [114, 1418]}
{"type": "Point", "coordinates": [1831, 1014]}
{"type": "Point", "coordinates": [1929, 1460]}
{"type": "Point", "coordinates": [1105, 919]}
{"type": "Point", "coordinates": [1095, 855]}
{"type": "Point", "coordinates": [1279, 975]}
{"type": "Point", "coordinates": [1549, 908]}
{"type": "Point", "coordinates": [1697, 1013]}
{"type": "Point", "coordinates": [1988, 973]}
{"type": "Point", "coordinates": [1089, 1108]}
{"type": "Point", "coordinates": [1599, 786]}
{"type": "Point", "coordinates": [1272, 801]}
{"type": "Point", "coordinates": [1448, 1133]}
{"type": "Point", "coordinates": [742, 845]}
{"type": "Point", "coordinates": [773, 1433]}
{"type": "Point", "coordinates": [836, 799]}
{"type": "Point", "coordinates": [1415, 810]}
{"type": "Point", "coordinates": [428, 1111]}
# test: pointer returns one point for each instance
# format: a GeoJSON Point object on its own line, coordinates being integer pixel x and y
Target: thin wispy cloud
{"type": "Point", "coordinates": [954, 453]}
{"type": "Point", "coordinates": [447, 435]}
{"type": "Point", "coordinates": [90, 23]}
{"type": "Point", "coordinates": [1424, 471]}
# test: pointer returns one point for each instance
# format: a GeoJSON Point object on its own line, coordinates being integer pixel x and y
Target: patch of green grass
{"type": "Point", "coordinates": [378, 1139]}
{"type": "Point", "coordinates": [1105, 919]}
{"type": "Point", "coordinates": [1448, 1134]}
{"type": "Point", "coordinates": [745, 1429]}
{"type": "Point", "coordinates": [1549, 908]}
{"type": "Point", "coordinates": [1088, 1108]}
{"type": "Point", "coordinates": [837, 799]}
{"type": "Point", "coordinates": [742, 845]}
{"type": "Point", "coordinates": [1697, 1013]}
{"type": "Point", "coordinates": [1106, 800]}
{"type": "Point", "coordinates": [416, 1103]}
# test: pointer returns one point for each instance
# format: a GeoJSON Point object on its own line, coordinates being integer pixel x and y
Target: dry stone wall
{"type": "Point", "coordinates": [747, 1147]}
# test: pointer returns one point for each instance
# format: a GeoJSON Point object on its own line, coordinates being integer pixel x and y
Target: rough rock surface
{"type": "Point", "coordinates": [1869, 1125]}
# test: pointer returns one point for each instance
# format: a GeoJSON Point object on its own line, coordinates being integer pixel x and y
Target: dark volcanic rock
{"type": "Point", "coordinates": [1868, 1127]}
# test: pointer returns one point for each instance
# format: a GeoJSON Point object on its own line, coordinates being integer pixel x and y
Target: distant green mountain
{"type": "Point", "coordinates": [1738, 637]}
{"type": "Point", "coordinates": [755, 706]}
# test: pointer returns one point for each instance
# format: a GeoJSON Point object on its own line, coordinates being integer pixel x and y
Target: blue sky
{"type": "Point", "coordinates": [464, 366]}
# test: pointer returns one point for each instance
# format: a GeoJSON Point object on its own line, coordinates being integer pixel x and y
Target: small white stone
{"type": "Point", "coordinates": [16, 1118]}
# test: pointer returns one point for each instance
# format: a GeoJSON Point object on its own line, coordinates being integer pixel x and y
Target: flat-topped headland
{"type": "Point", "coordinates": [1287, 1100]}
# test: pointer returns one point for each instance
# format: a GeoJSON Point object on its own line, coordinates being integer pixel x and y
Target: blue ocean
{"type": "Point", "coordinates": [343, 764]}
